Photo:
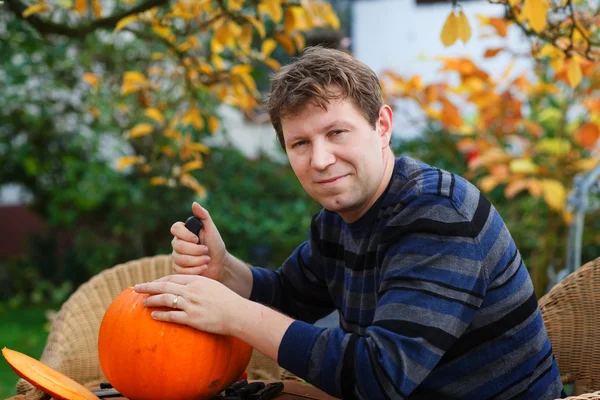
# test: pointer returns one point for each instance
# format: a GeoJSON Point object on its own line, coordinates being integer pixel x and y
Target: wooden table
{"type": "Point", "coordinates": [292, 390]}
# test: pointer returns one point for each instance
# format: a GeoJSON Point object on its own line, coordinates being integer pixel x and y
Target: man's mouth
{"type": "Point", "coordinates": [330, 180]}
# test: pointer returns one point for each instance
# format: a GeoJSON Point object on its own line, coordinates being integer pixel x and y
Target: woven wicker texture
{"type": "Point", "coordinates": [72, 345]}
{"type": "Point", "coordinates": [570, 313]}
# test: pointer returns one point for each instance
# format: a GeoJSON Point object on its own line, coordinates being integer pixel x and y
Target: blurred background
{"type": "Point", "coordinates": [115, 115]}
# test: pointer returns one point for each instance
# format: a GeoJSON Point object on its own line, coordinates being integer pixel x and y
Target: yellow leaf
{"type": "Point", "coordinates": [135, 77]}
{"type": "Point", "coordinates": [81, 6]}
{"type": "Point", "coordinates": [192, 183]}
{"type": "Point", "coordinates": [258, 26]}
{"type": "Point", "coordinates": [487, 183]}
{"type": "Point", "coordinates": [213, 123]}
{"type": "Point", "coordinates": [159, 181]}
{"type": "Point", "coordinates": [299, 40]}
{"type": "Point", "coordinates": [268, 46]}
{"type": "Point", "coordinates": [97, 8]}
{"type": "Point", "coordinates": [274, 64]}
{"type": "Point", "coordinates": [329, 15]}
{"type": "Point", "coordinates": [245, 39]}
{"type": "Point", "coordinates": [141, 130]}
{"type": "Point", "coordinates": [273, 8]}
{"type": "Point", "coordinates": [206, 68]}
{"type": "Point", "coordinates": [555, 194]}
{"type": "Point", "coordinates": [191, 166]}
{"type": "Point", "coordinates": [91, 79]}
{"type": "Point", "coordinates": [554, 146]}
{"type": "Point", "coordinates": [554, 54]}
{"type": "Point", "coordinates": [535, 11]}
{"type": "Point", "coordinates": [450, 30]}
{"type": "Point", "coordinates": [241, 69]}
{"type": "Point", "coordinates": [286, 42]}
{"type": "Point", "coordinates": [168, 151]}
{"type": "Point", "coordinates": [513, 3]}
{"type": "Point", "coordinates": [199, 147]}
{"type": "Point", "coordinates": [574, 73]}
{"type": "Point", "coordinates": [155, 114]}
{"type": "Point", "coordinates": [194, 118]}
{"type": "Point", "coordinates": [127, 161]}
{"type": "Point", "coordinates": [235, 5]}
{"type": "Point", "coordinates": [464, 29]}
{"type": "Point", "coordinates": [523, 166]}
{"type": "Point", "coordinates": [35, 9]}
{"type": "Point", "coordinates": [155, 55]}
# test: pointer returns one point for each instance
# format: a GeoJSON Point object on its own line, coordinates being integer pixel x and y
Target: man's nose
{"type": "Point", "coordinates": [322, 156]}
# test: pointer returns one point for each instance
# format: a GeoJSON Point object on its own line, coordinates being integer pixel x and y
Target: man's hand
{"type": "Point", "coordinates": [202, 303]}
{"type": "Point", "coordinates": [210, 306]}
{"type": "Point", "coordinates": [206, 259]}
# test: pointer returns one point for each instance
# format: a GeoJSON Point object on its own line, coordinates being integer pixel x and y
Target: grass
{"type": "Point", "coordinates": [22, 329]}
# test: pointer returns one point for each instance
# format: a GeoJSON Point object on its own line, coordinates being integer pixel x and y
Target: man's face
{"type": "Point", "coordinates": [337, 156]}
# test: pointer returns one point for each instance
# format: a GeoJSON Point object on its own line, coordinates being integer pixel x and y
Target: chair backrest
{"type": "Point", "coordinates": [571, 313]}
{"type": "Point", "coordinates": [72, 344]}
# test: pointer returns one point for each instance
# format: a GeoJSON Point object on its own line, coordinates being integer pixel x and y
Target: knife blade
{"type": "Point", "coordinates": [104, 393]}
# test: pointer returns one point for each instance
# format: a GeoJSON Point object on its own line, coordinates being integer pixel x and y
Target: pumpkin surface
{"type": "Point", "coordinates": [45, 378]}
{"type": "Point", "coordinates": [154, 360]}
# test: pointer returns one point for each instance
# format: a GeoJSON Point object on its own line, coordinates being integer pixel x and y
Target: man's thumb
{"type": "Point", "coordinates": [203, 214]}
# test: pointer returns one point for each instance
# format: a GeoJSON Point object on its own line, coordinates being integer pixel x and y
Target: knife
{"type": "Point", "coordinates": [104, 393]}
{"type": "Point", "coordinates": [193, 224]}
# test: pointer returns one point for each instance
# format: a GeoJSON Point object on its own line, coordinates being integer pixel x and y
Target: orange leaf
{"type": "Point", "coordinates": [489, 53]}
{"type": "Point", "coordinates": [515, 187]}
{"type": "Point", "coordinates": [587, 134]}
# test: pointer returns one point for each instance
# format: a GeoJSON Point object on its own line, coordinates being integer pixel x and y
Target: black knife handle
{"type": "Point", "coordinates": [194, 225]}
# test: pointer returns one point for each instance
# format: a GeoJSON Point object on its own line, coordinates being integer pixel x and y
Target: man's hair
{"type": "Point", "coordinates": [319, 76]}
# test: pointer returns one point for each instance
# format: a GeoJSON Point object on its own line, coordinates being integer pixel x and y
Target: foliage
{"type": "Point", "coordinates": [192, 55]}
{"type": "Point", "coordinates": [528, 135]}
{"type": "Point", "coordinates": [564, 30]}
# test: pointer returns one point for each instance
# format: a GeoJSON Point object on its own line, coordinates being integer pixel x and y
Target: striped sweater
{"type": "Point", "coordinates": [433, 296]}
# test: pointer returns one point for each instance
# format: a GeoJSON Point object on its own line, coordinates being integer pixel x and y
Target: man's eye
{"type": "Point", "coordinates": [300, 143]}
{"type": "Point", "coordinates": [336, 132]}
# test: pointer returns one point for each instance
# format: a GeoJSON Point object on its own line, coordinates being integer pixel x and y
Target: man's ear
{"type": "Point", "coordinates": [386, 119]}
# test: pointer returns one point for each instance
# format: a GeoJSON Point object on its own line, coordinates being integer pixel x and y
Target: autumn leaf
{"type": "Point", "coordinates": [574, 73]}
{"type": "Point", "coordinates": [464, 29]}
{"type": "Point", "coordinates": [91, 79]}
{"type": "Point", "coordinates": [213, 123]}
{"type": "Point", "coordinates": [127, 161]}
{"type": "Point", "coordinates": [489, 53]}
{"type": "Point", "coordinates": [587, 134]}
{"type": "Point", "coordinates": [450, 30]}
{"type": "Point", "coordinates": [191, 182]}
{"type": "Point", "coordinates": [141, 130]}
{"type": "Point", "coordinates": [555, 194]}
{"type": "Point", "coordinates": [523, 166]}
{"type": "Point", "coordinates": [554, 146]}
{"type": "Point", "coordinates": [155, 114]}
{"type": "Point", "coordinates": [97, 7]}
{"type": "Point", "coordinates": [286, 43]}
{"type": "Point", "coordinates": [35, 9]}
{"type": "Point", "coordinates": [268, 46]}
{"type": "Point", "coordinates": [488, 183]}
{"type": "Point", "coordinates": [535, 11]}
{"type": "Point", "coordinates": [159, 181]}
{"type": "Point", "coordinates": [192, 166]}
{"type": "Point", "coordinates": [80, 6]}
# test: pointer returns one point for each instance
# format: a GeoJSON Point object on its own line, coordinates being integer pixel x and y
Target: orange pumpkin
{"type": "Point", "coordinates": [148, 359]}
{"type": "Point", "coordinates": [43, 377]}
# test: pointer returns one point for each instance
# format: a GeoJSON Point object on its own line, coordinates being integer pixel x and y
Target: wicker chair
{"type": "Point", "coordinates": [570, 312]}
{"type": "Point", "coordinates": [72, 345]}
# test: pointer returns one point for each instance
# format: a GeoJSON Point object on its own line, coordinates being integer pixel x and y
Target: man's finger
{"type": "Point", "coordinates": [179, 230]}
{"type": "Point", "coordinates": [179, 317]}
{"type": "Point", "coordinates": [199, 270]}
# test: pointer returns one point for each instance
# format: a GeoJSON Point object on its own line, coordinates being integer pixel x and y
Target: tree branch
{"type": "Point", "coordinates": [47, 27]}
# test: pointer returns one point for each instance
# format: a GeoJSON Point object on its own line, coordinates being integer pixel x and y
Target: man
{"type": "Point", "coordinates": [433, 296]}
